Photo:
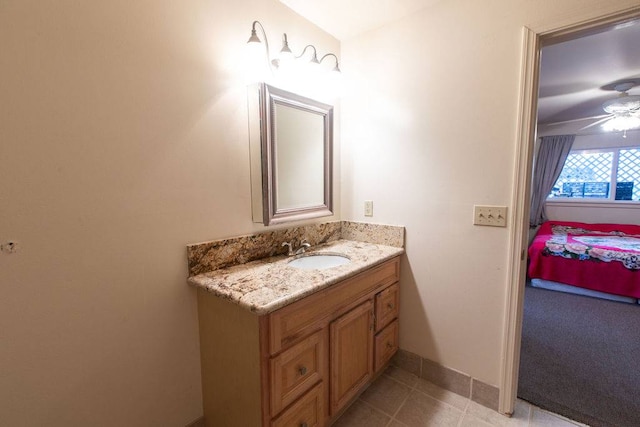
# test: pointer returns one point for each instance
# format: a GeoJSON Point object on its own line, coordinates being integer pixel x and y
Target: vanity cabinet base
{"type": "Point", "coordinates": [301, 364]}
{"type": "Point", "coordinates": [230, 361]}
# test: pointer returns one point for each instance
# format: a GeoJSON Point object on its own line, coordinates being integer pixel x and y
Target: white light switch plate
{"type": "Point", "coordinates": [495, 216]}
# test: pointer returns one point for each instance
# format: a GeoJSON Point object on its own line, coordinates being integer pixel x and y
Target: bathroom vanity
{"type": "Point", "coordinates": [282, 346]}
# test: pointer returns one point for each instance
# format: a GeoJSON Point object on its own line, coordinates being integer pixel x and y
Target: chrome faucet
{"type": "Point", "coordinates": [303, 246]}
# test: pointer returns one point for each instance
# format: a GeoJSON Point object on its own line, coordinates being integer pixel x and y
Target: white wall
{"type": "Point", "coordinates": [594, 212]}
{"type": "Point", "coordinates": [123, 137]}
{"type": "Point", "coordinates": [597, 212]}
{"type": "Point", "coordinates": [429, 130]}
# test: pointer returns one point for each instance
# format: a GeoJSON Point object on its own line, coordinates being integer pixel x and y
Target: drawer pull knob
{"type": "Point", "coordinates": [303, 371]}
{"type": "Point", "coordinates": [303, 424]}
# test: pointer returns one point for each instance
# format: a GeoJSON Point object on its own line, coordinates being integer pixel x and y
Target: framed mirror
{"type": "Point", "coordinates": [291, 156]}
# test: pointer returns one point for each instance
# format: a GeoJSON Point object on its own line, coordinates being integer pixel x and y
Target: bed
{"type": "Point", "coordinates": [601, 260]}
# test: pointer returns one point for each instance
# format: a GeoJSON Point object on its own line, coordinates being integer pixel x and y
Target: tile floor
{"type": "Point", "coordinates": [400, 399]}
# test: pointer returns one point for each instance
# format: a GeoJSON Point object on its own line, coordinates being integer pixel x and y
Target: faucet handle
{"type": "Point", "coordinates": [290, 247]}
{"type": "Point", "coordinates": [303, 246]}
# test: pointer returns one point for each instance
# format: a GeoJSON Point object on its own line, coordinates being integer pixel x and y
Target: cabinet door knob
{"type": "Point", "coordinates": [390, 306]}
{"type": "Point", "coordinates": [389, 345]}
{"type": "Point", "coordinates": [303, 424]}
{"type": "Point", "coordinates": [303, 371]}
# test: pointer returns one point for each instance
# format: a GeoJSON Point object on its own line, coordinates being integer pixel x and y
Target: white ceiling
{"type": "Point", "coordinates": [344, 19]}
{"type": "Point", "coordinates": [576, 76]}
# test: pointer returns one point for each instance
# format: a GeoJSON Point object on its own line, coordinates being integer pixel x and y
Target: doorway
{"type": "Point", "coordinates": [532, 44]}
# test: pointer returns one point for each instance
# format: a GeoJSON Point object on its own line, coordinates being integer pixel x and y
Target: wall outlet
{"type": "Point", "coordinates": [368, 208]}
{"type": "Point", "coordinates": [495, 216]}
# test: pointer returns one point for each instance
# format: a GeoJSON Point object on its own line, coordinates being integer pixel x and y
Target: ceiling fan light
{"type": "Point", "coordinates": [623, 104]}
{"type": "Point", "coordinates": [622, 123]}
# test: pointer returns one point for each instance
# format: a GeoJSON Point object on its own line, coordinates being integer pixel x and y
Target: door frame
{"type": "Point", "coordinates": [532, 42]}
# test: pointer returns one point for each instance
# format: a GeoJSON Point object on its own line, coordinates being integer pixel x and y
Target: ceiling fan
{"type": "Point", "coordinates": [623, 112]}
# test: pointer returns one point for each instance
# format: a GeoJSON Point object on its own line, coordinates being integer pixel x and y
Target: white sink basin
{"type": "Point", "coordinates": [319, 261]}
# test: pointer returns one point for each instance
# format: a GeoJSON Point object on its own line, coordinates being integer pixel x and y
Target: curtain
{"type": "Point", "coordinates": [548, 165]}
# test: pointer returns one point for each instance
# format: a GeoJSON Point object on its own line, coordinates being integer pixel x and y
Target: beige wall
{"type": "Point", "coordinates": [429, 130]}
{"type": "Point", "coordinates": [123, 137]}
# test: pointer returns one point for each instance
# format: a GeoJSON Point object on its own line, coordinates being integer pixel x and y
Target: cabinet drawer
{"type": "Point", "coordinates": [297, 369]}
{"type": "Point", "coordinates": [308, 411]}
{"type": "Point", "coordinates": [387, 306]}
{"type": "Point", "coordinates": [386, 345]}
{"type": "Point", "coordinates": [302, 317]}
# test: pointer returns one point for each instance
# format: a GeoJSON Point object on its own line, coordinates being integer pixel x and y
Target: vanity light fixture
{"type": "Point", "coordinates": [286, 53]}
{"type": "Point", "coordinates": [254, 44]}
{"type": "Point", "coordinates": [335, 69]}
{"type": "Point", "coordinates": [314, 58]}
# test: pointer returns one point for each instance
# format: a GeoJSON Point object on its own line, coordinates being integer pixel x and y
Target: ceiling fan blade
{"type": "Point", "coordinates": [609, 117]}
{"type": "Point", "coordinates": [581, 119]}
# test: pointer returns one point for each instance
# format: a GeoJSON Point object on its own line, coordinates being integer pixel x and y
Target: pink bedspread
{"type": "Point", "coordinates": [602, 257]}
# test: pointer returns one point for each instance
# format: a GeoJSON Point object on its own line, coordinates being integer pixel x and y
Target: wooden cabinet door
{"type": "Point", "coordinates": [351, 347]}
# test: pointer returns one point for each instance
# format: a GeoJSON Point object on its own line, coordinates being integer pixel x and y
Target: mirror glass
{"type": "Point", "coordinates": [291, 156]}
{"type": "Point", "coordinates": [300, 158]}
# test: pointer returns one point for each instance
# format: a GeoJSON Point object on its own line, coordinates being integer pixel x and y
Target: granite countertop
{"type": "Point", "coordinates": [268, 284]}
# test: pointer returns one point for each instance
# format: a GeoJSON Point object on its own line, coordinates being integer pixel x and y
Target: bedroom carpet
{"type": "Point", "coordinates": [581, 358]}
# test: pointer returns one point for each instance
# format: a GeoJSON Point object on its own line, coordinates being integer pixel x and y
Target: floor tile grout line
{"type": "Point", "coordinates": [399, 381]}
{"type": "Point", "coordinates": [370, 405]}
{"type": "Point", "coordinates": [464, 413]}
{"type": "Point", "coordinates": [415, 388]}
{"type": "Point", "coordinates": [411, 388]}
{"type": "Point", "coordinates": [406, 398]}
{"type": "Point", "coordinates": [530, 407]}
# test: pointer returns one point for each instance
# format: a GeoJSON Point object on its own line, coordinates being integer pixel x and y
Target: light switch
{"type": "Point", "coordinates": [495, 216]}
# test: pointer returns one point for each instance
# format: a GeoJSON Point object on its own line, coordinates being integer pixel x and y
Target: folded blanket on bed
{"type": "Point", "coordinates": [584, 244]}
{"type": "Point", "coordinates": [602, 257]}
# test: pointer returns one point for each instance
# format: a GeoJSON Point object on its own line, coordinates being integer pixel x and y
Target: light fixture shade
{"type": "Point", "coordinates": [285, 53]}
{"type": "Point", "coordinates": [254, 58]}
{"type": "Point", "coordinates": [254, 37]}
{"type": "Point", "coordinates": [254, 52]}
